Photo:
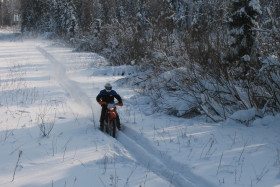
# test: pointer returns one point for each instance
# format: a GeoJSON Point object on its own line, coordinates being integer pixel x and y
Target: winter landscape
{"type": "Point", "coordinates": [50, 137]}
{"type": "Point", "coordinates": [199, 80]}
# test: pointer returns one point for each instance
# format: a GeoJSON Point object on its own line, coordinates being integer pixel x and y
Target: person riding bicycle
{"type": "Point", "coordinates": [108, 95]}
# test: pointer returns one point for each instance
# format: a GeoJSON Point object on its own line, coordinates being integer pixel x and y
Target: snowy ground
{"type": "Point", "coordinates": [47, 88]}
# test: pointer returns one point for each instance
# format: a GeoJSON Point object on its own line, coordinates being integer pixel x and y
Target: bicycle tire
{"type": "Point", "coordinates": [108, 130]}
{"type": "Point", "coordinates": [114, 126]}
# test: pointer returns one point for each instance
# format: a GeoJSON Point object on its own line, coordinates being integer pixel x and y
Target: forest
{"type": "Point", "coordinates": [216, 56]}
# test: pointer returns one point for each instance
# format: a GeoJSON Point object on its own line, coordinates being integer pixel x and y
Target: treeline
{"type": "Point", "coordinates": [229, 49]}
{"type": "Point", "coordinates": [8, 10]}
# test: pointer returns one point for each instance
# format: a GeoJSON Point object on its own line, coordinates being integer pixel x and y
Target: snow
{"type": "Point", "coordinates": [44, 83]}
{"type": "Point", "coordinates": [255, 4]}
{"type": "Point", "coordinates": [246, 58]}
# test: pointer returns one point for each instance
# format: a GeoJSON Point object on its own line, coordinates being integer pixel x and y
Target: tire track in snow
{"type": "Point", "coordinates": [176, 173]}
{"type": "Point", "coordinates": [81, 99]}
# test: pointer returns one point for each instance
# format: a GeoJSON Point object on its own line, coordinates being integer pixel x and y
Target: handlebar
{"type": "Point", "coordinates": [105, 103]}
{"type": "Point", "coordinates": [102, 103]}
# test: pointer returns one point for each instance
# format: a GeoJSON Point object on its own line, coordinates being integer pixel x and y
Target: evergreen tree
{"type": "Point", "coordinates": [83, 14]}
{"type": "Point", "coordinates": [26, 16]}
{"type": "Point", "coordinates": [1, 12]}
{"type": "Point", "coordinates": [69, 23]}
{"type": "Point", "coordinates": [55, 17]}
{"type": "Point", "coordinates": [33, 15]}
{"type": "Point", "coordinates": [6, 14]}
{"type": "Point", "coordinates": [271, 24]}
{"type": "Point", "coordinates": [244, 31]}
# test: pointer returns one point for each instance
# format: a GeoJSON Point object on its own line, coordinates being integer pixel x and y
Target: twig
{"type": "Point", "coordinates": [234, 139]}
{"type": "Point", "coordinates": [65, 147]}
{"type": "Point", "coordinates": [220, 163]}
{"type": "Point", "coordinates": [105, 163]}
{"type": "Point", "coordinates": [245, 145]}
{"type": "Point", "coordinates": [126, 184]}
{"type": "Point", "coordinates": [92, 115]}
{"type": "Point", "coordinates": [102, 182]}
{"type": "Point", "coordinates": [17, 164]}
{"type": "Point", "coordinates": [262, 174]}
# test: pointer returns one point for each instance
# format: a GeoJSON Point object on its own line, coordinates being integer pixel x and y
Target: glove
{"type": "Point", "coordinates": [120, 104]}
{"type": "Point", "coordinates": [102, 103]}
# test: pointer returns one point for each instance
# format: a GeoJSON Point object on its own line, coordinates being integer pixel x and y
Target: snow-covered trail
{"type": "Point", "coordinates": [177, 174]}
{"type": "Point", "coordinates": [37, 87]}
{"type": "Point", "coordinates": [72, 88]}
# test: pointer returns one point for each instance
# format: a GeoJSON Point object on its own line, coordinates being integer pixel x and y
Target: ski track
{"type": "Point", "coordinates": [176, 173]}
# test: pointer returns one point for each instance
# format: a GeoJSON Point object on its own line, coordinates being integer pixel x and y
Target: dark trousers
{"type": "Point", "coordinates": [103, 114]}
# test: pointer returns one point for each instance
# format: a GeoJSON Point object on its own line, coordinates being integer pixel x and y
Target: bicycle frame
{"type": "Point", "coordinates": [110, 119]}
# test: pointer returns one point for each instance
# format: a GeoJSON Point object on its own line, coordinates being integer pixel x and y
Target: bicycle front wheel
{"type": "Point", "coordinates": [113, 127]}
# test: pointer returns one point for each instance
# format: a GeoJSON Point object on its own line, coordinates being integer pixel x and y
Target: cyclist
{"type": "Point", "coordinates": [108, 95]}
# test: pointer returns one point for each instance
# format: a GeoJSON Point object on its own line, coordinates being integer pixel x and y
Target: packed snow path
{"type": "Point", "coordinates": [176, 173]}
{"type": "Point", "coordinates": [36, 93]}
{"type": "Point", "coordinates": [71, 87]}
